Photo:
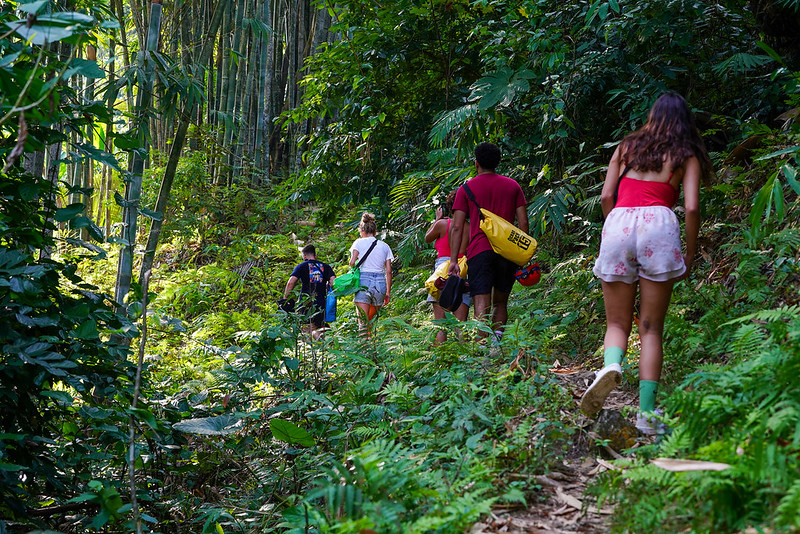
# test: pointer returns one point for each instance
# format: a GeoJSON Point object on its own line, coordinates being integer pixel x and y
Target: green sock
{"type": "Point", "coordinates": [647, 395]}
{"type": "Point", "coordinates": [613, 355]}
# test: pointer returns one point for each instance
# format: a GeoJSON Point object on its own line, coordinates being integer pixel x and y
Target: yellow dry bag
{"type": "Point", "coordinates": [506, 239]}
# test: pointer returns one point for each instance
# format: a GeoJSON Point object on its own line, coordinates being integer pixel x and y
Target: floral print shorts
{"type": "Point", "coordinates": [640, 242]}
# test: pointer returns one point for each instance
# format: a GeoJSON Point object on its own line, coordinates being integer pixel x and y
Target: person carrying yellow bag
{"type": "Point", "coordinates": [490, 275]}
{"type": "Point", "coordinates": [438, 234]}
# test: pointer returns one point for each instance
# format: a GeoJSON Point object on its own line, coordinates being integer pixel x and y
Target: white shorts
{"type": "Point", "coordinates": [640, 242]}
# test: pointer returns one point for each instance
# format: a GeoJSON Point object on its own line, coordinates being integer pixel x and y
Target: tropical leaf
{"type": "Point", "coordinates": [212, 426]}
{"type": "Point", "coordinates": [290, 433]}
{"type": "Point", "coordinates": [447, 122]}
{"type": "Point", "coordinates": [741, 63]}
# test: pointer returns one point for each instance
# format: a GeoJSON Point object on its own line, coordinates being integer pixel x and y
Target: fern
{"type": "Point", "coordinates": [448, 121]}
{"type": "Point", "coordinates": [382, 429]}
{"type": "Point", "coordinates": [411, 188]}
{"type": "Point", "coordinates": [788, 510]}
{"type": "Point", "coordinates": [784, 313]}
{"type": "Point", "coordinates": [552, 208]}
{"type": "Point", "coordinates": [748, 340]}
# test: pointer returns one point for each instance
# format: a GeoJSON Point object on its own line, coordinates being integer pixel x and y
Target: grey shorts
{"type": "Point", "coordinates": [375, 292]}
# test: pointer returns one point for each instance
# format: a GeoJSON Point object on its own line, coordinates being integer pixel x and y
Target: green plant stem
{"type": "Point", "coordinates": [131, 419]}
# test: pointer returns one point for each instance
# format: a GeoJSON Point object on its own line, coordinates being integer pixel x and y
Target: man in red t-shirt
{"type": "Point", "coordinates": [490, 276]}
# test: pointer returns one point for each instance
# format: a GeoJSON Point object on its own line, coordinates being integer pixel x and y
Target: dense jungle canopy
{"type": "Point", "coordinates": [162, 164]}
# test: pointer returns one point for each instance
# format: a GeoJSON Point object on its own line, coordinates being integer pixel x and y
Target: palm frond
{"type": "Point", "coordinates": [452, 120]}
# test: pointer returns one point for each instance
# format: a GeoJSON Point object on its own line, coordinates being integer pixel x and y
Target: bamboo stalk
{"type": "Point", "coordinates": [134, 185]}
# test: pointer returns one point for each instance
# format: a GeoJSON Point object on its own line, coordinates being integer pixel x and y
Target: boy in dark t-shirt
{"type": "Point", "coordinates": [316, 278]}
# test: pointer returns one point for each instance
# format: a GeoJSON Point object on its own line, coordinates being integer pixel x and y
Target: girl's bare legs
{"type": "Point", "coordinates": [655, 297]}
{"type": "Point", "coordinates": [619, 299]}
{"type": "Point", "coordinates": [366, 313]}
{"type": "Point", "coordinates": [438, 313]}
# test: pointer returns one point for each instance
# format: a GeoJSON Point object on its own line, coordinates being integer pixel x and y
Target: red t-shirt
{"type": "Point", "coordinates": [499, 194]}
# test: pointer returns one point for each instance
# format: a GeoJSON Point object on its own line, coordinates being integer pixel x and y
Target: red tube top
{"type": "Point", "coordinates": [442, 244]}
{"type": "Point", "coordinates": [635, 193]}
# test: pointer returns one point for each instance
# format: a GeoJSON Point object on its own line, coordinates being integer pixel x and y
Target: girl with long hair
{"type": "Point", "coordinates": [641, 244]}
{"type": "Point", "coordinates": [439, 235]}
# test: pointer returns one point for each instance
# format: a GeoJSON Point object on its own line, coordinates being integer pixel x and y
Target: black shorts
{"type": "Point", "coordinates": [489, 270]}
{"type": "Point", "coordinates": [315, 308]}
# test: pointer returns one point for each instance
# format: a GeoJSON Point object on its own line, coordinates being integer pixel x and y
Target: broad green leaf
{"type": "Point", "coordinates": [211, 426]}
{"type": "Point", "coordinates": [126, 141]}
{"type": "Point", "coordinates": [100, 155]}
{"type": "Point", "coordinates": [762, 205]}
{"type": "Point", "coordinates": [84, 67]}
{"type": "Point", "coordinates": [67, 18]}
{"type": "Point", "coordinates": [86, 330]}
{"type": "Point", "coordinates": [791, 178]}
{"type": "Point", "coordinates": [145, 415]}
{"type": "Point", "coordinates": [120, 200]}
{"type": "Point", "coordinates": [36, 321]}
{"type": "Point", "coordinates": [67, 213]}
{"type": "Point", "coordinates": [39, 34]}
{"type": "Point", "coordinates": [33, 7]}
{"type": "Point", "coordinates": [11, 467]}
{"type": "Point", "coordinates": [8, 59]}
{"type": "Point", "coordinates": [290, 433]}
{"type": "Point", "coordinates": [790, 150]}
{"type": "Point", "coordinates": [28, 191]}
{"type": "Point", "coordinates": [62, 396]}
{"type": "Point", "coordinates": [155, 215]}
{"type": "Point", "coordinates": [770, 52]}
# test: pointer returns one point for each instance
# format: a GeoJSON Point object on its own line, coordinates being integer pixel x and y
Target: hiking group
{"type": "Point", "coordinates": [640, 247]}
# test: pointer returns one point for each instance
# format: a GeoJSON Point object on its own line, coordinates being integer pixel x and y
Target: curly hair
{"type": "Point", "coordinates": [447, 205]}
{"type": "Point", "coordinates": [670, 134]}
{"type": "Point", "coordinates": [488, 156]}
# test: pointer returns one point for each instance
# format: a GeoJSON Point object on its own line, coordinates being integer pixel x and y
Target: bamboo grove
{"type": "Point", "coordinates": [222, 71]}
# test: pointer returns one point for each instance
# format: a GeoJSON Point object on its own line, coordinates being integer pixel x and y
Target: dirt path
{"type": "Point", "coordinates": [566, 508]}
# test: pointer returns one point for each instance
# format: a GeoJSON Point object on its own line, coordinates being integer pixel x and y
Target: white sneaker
{"type": "Point", "coordinates": [606, 380]}
{"type": "Point", "coordinates": [649, 423]}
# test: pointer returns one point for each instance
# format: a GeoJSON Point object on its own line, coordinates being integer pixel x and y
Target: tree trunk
{"type": "Point", "coordinates": [230, 106]}
{"type": "Point", "coordinates": [133, 189]}
{"type": "Point", "coordinates": [177, 148]}
{"type": "Point", "coordinates": [223, 76]}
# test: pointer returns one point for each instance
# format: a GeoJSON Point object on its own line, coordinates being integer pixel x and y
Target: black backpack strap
{"type": "Point", "coordinates": [468, 191]}
{"type": "Point", "coordinates": [367, 254]}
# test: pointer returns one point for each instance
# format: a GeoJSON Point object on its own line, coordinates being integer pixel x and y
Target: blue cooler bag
{"type": "Point", "coordinates": [330, 307]}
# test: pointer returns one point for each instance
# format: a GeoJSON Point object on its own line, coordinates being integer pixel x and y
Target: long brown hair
{"type": "Point", "coordinates": [669, 134]}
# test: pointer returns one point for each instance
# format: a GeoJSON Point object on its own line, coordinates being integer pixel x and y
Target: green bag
{"type": "Point", "coordinates": [350, 282]}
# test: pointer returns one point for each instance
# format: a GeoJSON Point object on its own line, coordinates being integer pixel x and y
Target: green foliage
{"type": "Point", "coordinates": [62, 379]}
{"type": "Point", "coordinates": [211, 213]}
{"type": "Point", "coordinates": [248, 425]}
{"type": "Point", "coordinates": [734, 415]}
